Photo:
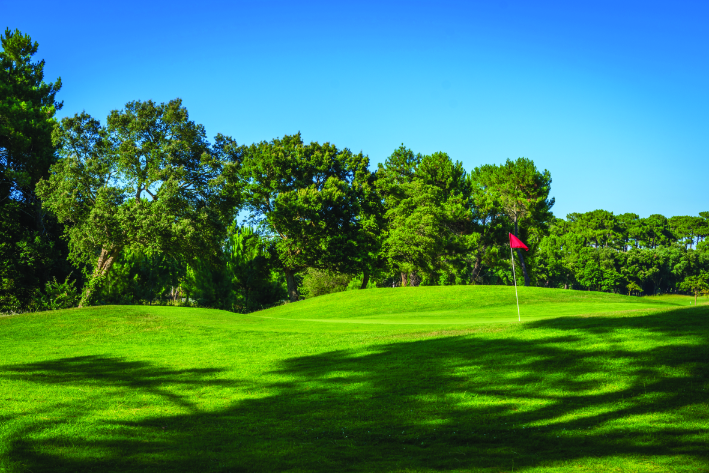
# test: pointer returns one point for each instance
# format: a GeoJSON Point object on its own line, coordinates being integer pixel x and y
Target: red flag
{"type": "Point", "coordinates": [517, 243]}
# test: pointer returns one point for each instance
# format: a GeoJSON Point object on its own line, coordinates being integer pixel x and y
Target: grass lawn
{"type": "Point", "coordinates": [408, 379]}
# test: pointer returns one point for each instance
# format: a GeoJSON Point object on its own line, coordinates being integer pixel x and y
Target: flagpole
{"type": "Point", "coordinates": [519, 318]}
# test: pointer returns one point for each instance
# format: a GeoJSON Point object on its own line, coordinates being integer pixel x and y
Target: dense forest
{"type": "Point", "coordinates": [142, 208]}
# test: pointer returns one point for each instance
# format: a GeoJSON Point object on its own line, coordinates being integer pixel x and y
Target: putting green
{"type": "Point", "coordinates": [456, 305]}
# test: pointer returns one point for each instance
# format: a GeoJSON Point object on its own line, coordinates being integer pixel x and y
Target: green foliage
{"type": "Point", "coordinates": [309, 200]}
{"type": "Point", "coordinates": [250, 268]}
{"type": "Point", "coordinates": [27, 108]}
{"type": "Point", "coordinates": [244, 279]}
{"type": "Point", "coordinates": [601, 251]}
{"type": "Point", "coordinates": [148, 180]}
{"type": "Point", "coordinates": [317, 282]}
{"type": "Point", "coordinates": [208, 285]}
{"type": "Point", "coordinates": [138, 276]}
{"type": "Point", "coordinates": [429, 229]}
{"type": "Point", "coordinates": [58, 295]}
{"type": "Point", "coordinates": [521, 192]}
{"type": "Point", "coordinates": [31, 253]}
{"type": "Point", "coordinates": [696, 285]}
{"type": "Point", "coordinates": [633, 287]}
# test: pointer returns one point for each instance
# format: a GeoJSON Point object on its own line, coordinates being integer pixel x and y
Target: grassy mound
{"type": "Point", "coordinates": [461, 305]}
{"type": "Point", "coordinates": [295, 389]}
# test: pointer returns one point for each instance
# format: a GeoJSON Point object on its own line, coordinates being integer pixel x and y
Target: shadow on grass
{"type": "Point", "coordinates": [558, 392]}
{"type": "Point", "coordinates": [101, 372]}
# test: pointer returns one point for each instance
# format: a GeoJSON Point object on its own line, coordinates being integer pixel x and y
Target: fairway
{"type": "Point", "coordinates": [423, 379]}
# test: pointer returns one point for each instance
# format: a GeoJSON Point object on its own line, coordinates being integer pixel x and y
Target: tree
{"type": "Point", "coordinates": [488, 218]}
{"type": "Point", "coordinates": [27, 108]}
{"type": "Point", "coordinates": [31, 253]}
{"type": "Point", "coordinates": [248, 266]}
{"type": "Point", "coordinates": [309, 200]}
{"type": "Point", "coordinates": [630, 230]}
{"type": "Point", "coordinates": [655, 231]}
{"type": "Point", "coordinates": [696, 285]}
{"type": "Point", "coordinates": [522, 193]}
{"type": "Point", "coordinates": [137, 275]}
{"type": "Point", "coordinates": [429, 223]}
{"type": "Point", "coordinates": [633, 287]}
{"type": "Point", "coordinates": [553, 253]}
{"type": "Point", "coordinates": [147, 180]}
{"type": "Point", "coordinates": [599, 228]}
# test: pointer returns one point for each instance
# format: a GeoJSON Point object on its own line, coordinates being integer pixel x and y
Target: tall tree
{"type": "Point", "coordinates": [308, 199]}
{"type": "Point", "coordinates": [148, 180]}
{"type": "Point", "coordinates": [523, 195]}
{"type": "Point", "coordinates": [488, 218]}
{"type": "Point", "coordinates": [27, 108]}
{"type": "Point", "coordinates": [31, 252]}
{"type": "Point", "coordinates": [429, 222]}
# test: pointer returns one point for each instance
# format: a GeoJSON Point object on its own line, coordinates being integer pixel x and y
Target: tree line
{"type": "Point", "coordinates": [142, 207]}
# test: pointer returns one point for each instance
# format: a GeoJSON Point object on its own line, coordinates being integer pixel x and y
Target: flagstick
{"type": "Point", "coordinates": [519, 318]}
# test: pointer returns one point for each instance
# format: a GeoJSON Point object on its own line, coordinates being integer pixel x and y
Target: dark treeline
{"type": "Point", "coordinates": [142, 208]}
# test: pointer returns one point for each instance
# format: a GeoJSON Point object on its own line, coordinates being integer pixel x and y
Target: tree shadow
{"type": "Point", "coordinates": [552, 393]}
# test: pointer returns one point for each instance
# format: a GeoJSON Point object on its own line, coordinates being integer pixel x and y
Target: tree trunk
{"type": "Point", "coordinates": [292, 287]}
{"type": "Point", "coordinates": [478, 263]}
{"type": "Point", "coordinates": [403, 279]}
{"type": "Point", "coordinates": [39, 216]}
{"type": "Point", "coordinates": [521, 259]}
{"type": "Point", "coordinates": [365, 279]}
{"type": "Point", "coordinates": [103, 265]}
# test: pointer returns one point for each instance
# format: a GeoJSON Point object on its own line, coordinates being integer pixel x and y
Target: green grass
{"type": "Point", "coordinates": [414, 379]}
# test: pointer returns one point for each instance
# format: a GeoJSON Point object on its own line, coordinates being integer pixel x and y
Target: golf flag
{"type": "Point", "coordinates": [517, 243]}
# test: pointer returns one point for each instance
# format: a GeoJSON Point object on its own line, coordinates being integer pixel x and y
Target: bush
{"type": "Point", "coordinates": [317, 282]}
{"type": "Point", "coordinates": [59, 295]}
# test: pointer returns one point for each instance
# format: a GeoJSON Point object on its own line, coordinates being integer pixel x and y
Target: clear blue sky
{"type": "Point", "coordinates": [612, 97]}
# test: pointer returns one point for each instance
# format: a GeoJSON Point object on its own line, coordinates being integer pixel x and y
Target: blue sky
{"type": "Point", "coordinates": [610, 96]}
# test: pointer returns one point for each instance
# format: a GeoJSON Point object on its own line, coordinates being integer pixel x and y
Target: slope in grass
{"type": "Point", "coordinates": [168, 389]}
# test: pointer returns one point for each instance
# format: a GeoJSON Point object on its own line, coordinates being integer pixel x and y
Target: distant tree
{"type": "Point", "coordinates": [696, 285]}
{"type": "Point", "coordinates": [148, 180]}
{"type": "Point", "coordinates": [655, 231]}
{"type": "Point", "coordinates": [599, 228]}
{"type": "Point", "coordinates": [633, 287]}
{"type": "Point", "coordinates": [679, 226]}
{"type": "Point", "coordinates": [629, 225]}
{"type": "Point", "coordinates": [522, 193]}
{"type": "Point", "coordinates": [309, 200]}
{"type": "Point", "coordinates": [702, 227]}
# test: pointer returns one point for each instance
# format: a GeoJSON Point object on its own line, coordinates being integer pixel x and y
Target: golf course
{"type": "Point", "coordinates": [410, 379]}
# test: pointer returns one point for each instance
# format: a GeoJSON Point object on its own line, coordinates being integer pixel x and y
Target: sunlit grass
{"type": "Point", "coordinates": [138, 388]}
